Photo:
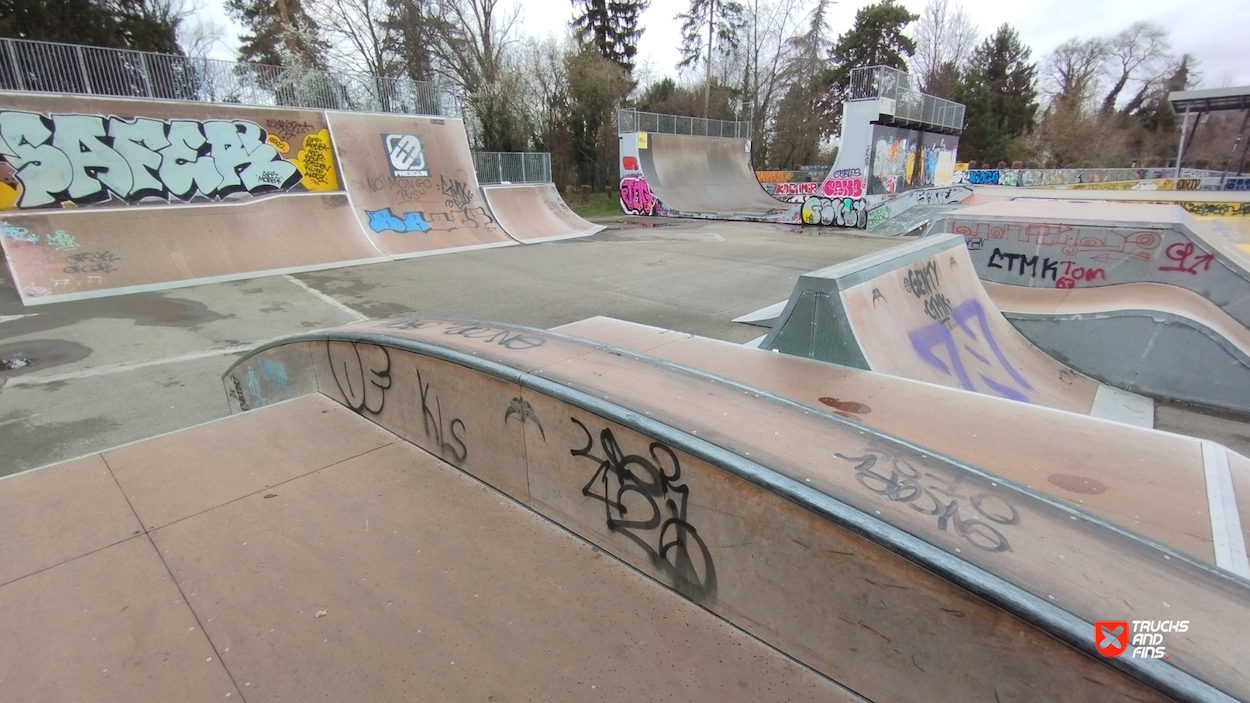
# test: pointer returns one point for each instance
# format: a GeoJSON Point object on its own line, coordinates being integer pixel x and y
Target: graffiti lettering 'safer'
{"type": "Point", "coordinates": [86, 158]}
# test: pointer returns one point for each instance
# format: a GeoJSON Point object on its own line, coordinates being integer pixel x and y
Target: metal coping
{"type": "Point", "coordinates": [865, 268]}
{"type": "Point", "coordinates": [1051, 619]}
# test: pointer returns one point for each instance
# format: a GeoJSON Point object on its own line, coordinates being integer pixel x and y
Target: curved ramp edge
{"type": "Point", "coordinates": [919, 311]}
{"type": "Point", "coordinates": [532, 213]}
{"type": "Point", "coordinates": [578, 431]}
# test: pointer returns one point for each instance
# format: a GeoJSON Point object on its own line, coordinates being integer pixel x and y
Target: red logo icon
{"type": "Point", "coordinates": [1111, 637]}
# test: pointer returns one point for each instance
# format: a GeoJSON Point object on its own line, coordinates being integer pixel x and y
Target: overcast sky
{"type": "Point", "coordinates": [1217, 32]}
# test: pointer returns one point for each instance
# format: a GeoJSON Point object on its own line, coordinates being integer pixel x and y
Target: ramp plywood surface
{"type": "Point", "coordinates": [705, 175]}
{"type": "Point", "coordinates": [535, 213]}
{"type": "Point", "coordinates": [412, 183]}
{"type": "Point", "coordinates": [1124, 297]}
{"type": "Point", "coordinates": [88, 252]}
{"type": "Point", "coordinates": [1149, 481]}
{"type": "Point", "coordinates": [932, 321]}
{"type": "Point", "coordinates": [1069, 560]}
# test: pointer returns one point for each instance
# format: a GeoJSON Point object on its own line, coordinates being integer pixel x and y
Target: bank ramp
{"type": "Point", "coordinates": [327, 522]}
{"type": "Point", "coordinates": [918, 311]}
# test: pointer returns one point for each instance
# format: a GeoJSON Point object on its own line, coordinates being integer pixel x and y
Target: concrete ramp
{"type": "Point", "coordinates": [1149, 338]}
{"type": "Point", "coordinates": [706, 176]}
{"type": "Point", "coordinates": [532, 213]}
{"type": "Point", "coordinates": [773, 516]}
{"type": "Point", "coordinates": [1085, 244]}
{"type": "Point", "coordinates": [918, 311]}
{"type": "Point", "coordinates": [412, 184]}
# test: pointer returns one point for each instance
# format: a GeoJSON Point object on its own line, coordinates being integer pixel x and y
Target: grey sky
{"type": "Point", "coordinates": [1215, 31]}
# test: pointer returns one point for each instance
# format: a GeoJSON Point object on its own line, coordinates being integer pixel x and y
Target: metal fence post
{"type": "Point", "coordinates": [523, 178]}
{"type": "Point", "coordinates": [147, 77]}
{"type": "Point", "coordinates": [82, 69]}
{"type": "Point", "coordinates": [17, 67]}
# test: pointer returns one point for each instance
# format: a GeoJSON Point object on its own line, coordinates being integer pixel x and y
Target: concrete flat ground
{"type": "Point", "coordinates": [105, 372]}
{"type": "Point", "coordinates": [317, 557]}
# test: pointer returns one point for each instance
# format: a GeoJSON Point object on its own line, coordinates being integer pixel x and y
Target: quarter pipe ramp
{"type": "Point", "coordinates": [535, 213]}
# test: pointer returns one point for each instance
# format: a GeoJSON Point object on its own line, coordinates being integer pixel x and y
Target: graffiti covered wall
{"type": "Point", "coordinates": [636, 196]}
{"type": "Point", "coordinates": [905, 159]}
{"type": "Point", "coordinates": [156, 155]}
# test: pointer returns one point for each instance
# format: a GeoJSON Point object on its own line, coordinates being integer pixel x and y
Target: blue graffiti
{"type": "Point", "coordinates": [253, 387]}
{"type": "Point", "coordinates": [1237, 184]}
{"type": "Point", "coordinates": [274, 372]}
{"type": "Point", "coordinates": [383, 220]}
{"type": "Point", "coordinates": [20, 234]}
{"type": "Point", "coordinates": [983, 178]}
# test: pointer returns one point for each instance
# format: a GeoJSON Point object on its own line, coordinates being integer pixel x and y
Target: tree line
{"type": "Point", "coordinates": [1094, 101]}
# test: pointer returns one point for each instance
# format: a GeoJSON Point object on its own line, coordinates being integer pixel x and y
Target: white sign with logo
{"type": "Point", "coordinates": [406, 154]}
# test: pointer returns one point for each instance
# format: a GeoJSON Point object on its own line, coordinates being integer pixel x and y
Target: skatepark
{"type": "Point", "coordinates": [398, 432]}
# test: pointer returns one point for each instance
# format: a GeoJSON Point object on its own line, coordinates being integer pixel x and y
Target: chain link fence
{"type": "Point", "coordinates": [907, 103]}
{"type": "Point", "coordinates": [630, 120]}
{"type": "Point", "coordinates": [49, 67]}
{"type": "Point", "coordinates": [512, 167]}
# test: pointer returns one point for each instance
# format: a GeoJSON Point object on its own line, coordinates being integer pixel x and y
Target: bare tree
{"type": "Point", "coordinates": [199, 37]}
{"type": "Point", "coordinates": [767, 56]}
{"type": "Point", "coordinates": [1071, 73]}
{"type": "Point", "coordinates": [1139, 53]}
{"type": "Point", "coordinates": [945, 38]}
{"type": "Point", "coordinates": [357, 33]}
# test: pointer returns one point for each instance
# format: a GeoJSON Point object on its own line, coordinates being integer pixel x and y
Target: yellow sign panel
{"type": "Point", "coordinates": [642, 140]}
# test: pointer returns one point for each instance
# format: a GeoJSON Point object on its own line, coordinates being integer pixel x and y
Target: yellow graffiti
{"type": "Point", "coordinates": [774, 176]}
{"type": "Point", "coordinates": [316, 162]}
{"type": "Point", "coordinates": [278, 144]}
{"type": "Point", "coordinates": [961, 166]}
{"type": "Point", "coordinates": [1217, 209]}
{"type": "Point", "coordinates": [8, 196]}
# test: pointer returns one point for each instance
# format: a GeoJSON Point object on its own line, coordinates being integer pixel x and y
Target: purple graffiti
{"type": "Point", "coordinates": [925, 339]}
{"type": "Point", "coordinates": [636, 197]}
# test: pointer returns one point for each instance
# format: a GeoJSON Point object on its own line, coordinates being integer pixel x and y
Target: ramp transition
{"type": "Point", "coordinates": [918, 311]}
{"type": "Point", "coordinates": [102, 196]}
{"type": "Point", "coordinates": [1149, 338]}
{"type": "Point", "coordinates": [1153, 481]}
{"type": "Point", "coordinates": [535, 213]}
{"type": "Point", "coordinates": [1062, 244]}
{"type": "Point", "coordinates": [585, 434]}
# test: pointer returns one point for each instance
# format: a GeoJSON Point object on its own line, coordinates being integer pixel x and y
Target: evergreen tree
{"type": "Point", "coordinates": [1000, 96]}
{"type": "Point", "coordinates": [722, 19]}
{"type": "Point", "coordinates": [876, 39]}
{"type": "Point", "coordinates": [142, 25]}
{"type": "Point", "coordinates": [611, 27]}
{"type": "Point", "coordinates": [280, 33]}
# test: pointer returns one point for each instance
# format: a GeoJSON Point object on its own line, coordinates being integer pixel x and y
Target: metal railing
{"type": "Point", "coordinates": [909, 104]}
{"type": "Point", "coordinates": [512, 166]}
{"type": "Point", "coordinates": [630, 120]}
{"type": "Point", "coordinates": [87, 70]}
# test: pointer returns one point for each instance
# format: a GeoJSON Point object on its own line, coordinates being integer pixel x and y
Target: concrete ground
{"type": "Point", "coordinates": [93, 374]}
